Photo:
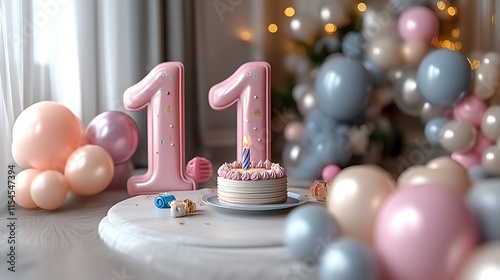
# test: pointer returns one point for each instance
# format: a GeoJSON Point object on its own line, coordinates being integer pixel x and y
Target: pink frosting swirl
{"type": "Point", "coordinates": [280, 172]}
{"type": "Point", "coordinates": [255, 176]}
{"type": "Point", "coordinates": [237, 164]}
{"type": "Point", "coordinates": [268, 164]}
{"type": "Point", "coordinates": [272, 174]}
{"type": "Point", "coordinates": [260, 164]}
{"type": "Point", "coordinates": [235, 175]}
{"type": "Point", "coordinates": [245, 176]}
{"type": "Point", "coordinates": [264, 175]}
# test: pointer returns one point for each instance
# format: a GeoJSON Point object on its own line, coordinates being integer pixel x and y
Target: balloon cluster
{"type": "Point", "coordinates": [433, 223]}
{"type": "Point", "coordinates": [392, 60]}
{"type": "Point", "coordinates": [59, 155]}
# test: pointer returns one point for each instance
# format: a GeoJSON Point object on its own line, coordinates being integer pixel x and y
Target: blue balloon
{"type": "Point", "coordinates": [317, 122]}
{"type": "Point", "coordinates": [444, 77]}
{"type": "Point", "coordinates": [433, 128]}
{"type": "Point", "coordinates": [353, 45]}
{"type": "Point", "coordinates": [348, 259]}
{"type": "Point", "coordinates": [343, 88]}
{"type": "Point", "coordinates": [399, 6]}
{"type": "Point", "coordinates": [483, 199]}
{"type": "Point", "coordinates": [307, 231]}
{"type": "Point", "coordinates": [479, 173]}
{"type": "Point", "coordinates": [325, 148]}
{"type": "Point", "coordinates": [377, 73]}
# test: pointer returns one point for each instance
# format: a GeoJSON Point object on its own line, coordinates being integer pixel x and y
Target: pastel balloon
{"type": "Point", "coordinates": [334, 12]}
{"type": "Point", "coordinates": [430, 111]}
{"type": "Point", "coordinates": [49, 189]}
{"type": "Point", "coordinates": [484, 263]}
{"type": "Point", "coordinates": [413, 51]}
{"type": "Point", "coordinates": [484, 202]}
{"type": "Point", "coordinates": [303, 94]}
{"type": "Point", "coordinates": [486, 81]}
{"type": "Point", "coordinates": [292, 155]}
{"type": "Point", "coordinates": [122, 172]}
{"type": "Point", "coordinates": [491, 160]}
{"type": "Point", "coordinates": [377, 73]}
{"type": "Point", "coordinates": [440, 177]}
{"type": "Point", "coordinates": [353, 45]}
{"type": "Point", "coordinates": [433, 128]}
{"type": "Point", "coordinates": [343, 88]}
{"type": "Point", "coordinates": [457, 136]}
{"type": "Point", "coordinates": [317, 122]}
{"type": "Point", "coordinates": [355, 196]}
{"type": "Point", "coordinates": [482, 143]}
{"type": "Point", "coordinates": [303, 28]}
{"type": "Point", "coordinates": [444, 77]}
{"type": "Point", "coordinates": [294, 131]}
{"type": "Point", "coordinates": [470, 109]}
{"type": "Point", "coordinates": [384, 51]}
{"type": "Point", "coordinates": [329, 172]}
{"type": "Point", "coordinates": [492, 58]}
{"type": "Point", "coordinates": [44, 135]}
{"type": "Point", "coordinates": [478, 173]}
{"type": "Point", "coordinates": [424, 232]}
{"type": "Point", "coordinates": [467, 159]}
{"type": "Point", "coordinates": [307, 231]}
{"type": "Point", "coordinates": [348, 259]}
{"type": "Point", "coordinates": [89, 170]}
{"type": "Point", "coordinates": [406, 95]}
{"type": "Point", "coordinates": [490, 123]}
{"type": "Point", "coordinates": [116, 132]}
{"type": "Point", "coordinates": [23, 188]}
{"type": "Point", "coordinates": [419, 23]}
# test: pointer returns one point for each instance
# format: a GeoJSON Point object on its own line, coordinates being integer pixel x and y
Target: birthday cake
{"type": "Point", "coordinates": [262, 183]}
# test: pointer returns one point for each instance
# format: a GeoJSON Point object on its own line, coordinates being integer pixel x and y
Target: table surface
{"type": "Point", "coordinates": [65, 244]}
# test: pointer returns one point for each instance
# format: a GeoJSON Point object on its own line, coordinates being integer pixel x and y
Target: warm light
{"type": "Point", "coordinates": [446, 44]}
{"type": "Point", "coordinates": [289, 12]}
{"type": "Point", "coordinates": [330, 28]}
{"type": "Point", "coordinates": [455, 32]}
{"type": "Point", "coordinates": [458, 45]}
{"type": "Point", "coordinates": [493, 19]}
{"type": "Point", "coordinates": [441, 5]}
{"type": "Point", "coordinates": [361, 7]}
{"type": "Point", "coordinates": [474, 64]}
{"type": "Point", "coordinates": [435, 41]}
{"type": "Point", "coordinates": [245, 36]}
{"type": "Point", "coordinates": [452, 11]}
{"type": "Point", "coordinates": [273, 28]}
{"type": "Point", "coordinates": [245, 140]}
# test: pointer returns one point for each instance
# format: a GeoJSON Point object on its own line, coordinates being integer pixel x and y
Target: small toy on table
{"type": "Point", "coordinates": [163, 200]}
{"type": "Point", "coordinates": [319, 190]}
{"type": "Point", "coordinates": [182, 208]}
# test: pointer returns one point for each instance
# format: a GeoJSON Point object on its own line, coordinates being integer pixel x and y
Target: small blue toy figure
{"type": "Point", "coordinates": [163, 200]}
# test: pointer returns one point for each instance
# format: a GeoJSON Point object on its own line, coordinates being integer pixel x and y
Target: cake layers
{"type": "Point", "coordinates": [258, 192]}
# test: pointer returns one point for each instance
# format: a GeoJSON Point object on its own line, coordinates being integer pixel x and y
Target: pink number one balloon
{"type": "Point", "coordinates": [248, 87]}
{"type": "Point", "coordinates": [162, 91]}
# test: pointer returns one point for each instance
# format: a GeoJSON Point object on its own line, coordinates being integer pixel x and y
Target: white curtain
{"type": "Point", "coordinates": [84, 54]}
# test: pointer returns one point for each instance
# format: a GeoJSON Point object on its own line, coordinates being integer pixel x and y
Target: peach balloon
{"type": "Point", "coordinates": [414, 51]}
{"type": "Point", "coordinates": [484, 263]}
{"type": "Point", "coordinates": [355, 196]}
{"type": "Point", "coordinates": [44, 135]}
{"type": "Point", "coordinates": [89, 170]}
{"type": "Point", "coordinates": [23, 188]}
{"type": "Point", "coordinates": [442, 171]}
{"type": "Point", "coordinates": [49, 189]}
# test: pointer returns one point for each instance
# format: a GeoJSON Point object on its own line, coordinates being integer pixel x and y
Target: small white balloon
{"type": "Point", "coordinates": [294, 131]}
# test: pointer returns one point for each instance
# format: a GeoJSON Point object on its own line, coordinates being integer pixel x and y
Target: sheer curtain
{"type": "Point", "coordinates": [84, 54]}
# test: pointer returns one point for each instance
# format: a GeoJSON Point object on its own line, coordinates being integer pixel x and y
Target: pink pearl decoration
{"type": "Point", "coordinates": [329, 172]}
{"type": "Point", "coordinates": [471, 110]}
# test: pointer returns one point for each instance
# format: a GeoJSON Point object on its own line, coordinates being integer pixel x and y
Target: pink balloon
{"type": "Point", "coordinates": [467, 159]}
{"type": "Point", "coordinates": [23, 188]}
{"type": "Point", "coordinates": [418, 22]}
{"type": "Point", "coordinates": [122, 173]}
{"type": "Point", "coordinates": [49, 189]}
{"type": "Point", "coordinates": [329, 172]}
{"type": "Point", "coordinates": [424, 232]}
{"type": "Point", "coordinates": [482, 143]}
{"type": "Point", "coordinates": [89, 170]}
{"type": "Point", "coordinates": [116, 132]}
{"type": "Point", "coordinates": [471, 110]}
{"type": "Point", "coordinates": [44, 135]}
